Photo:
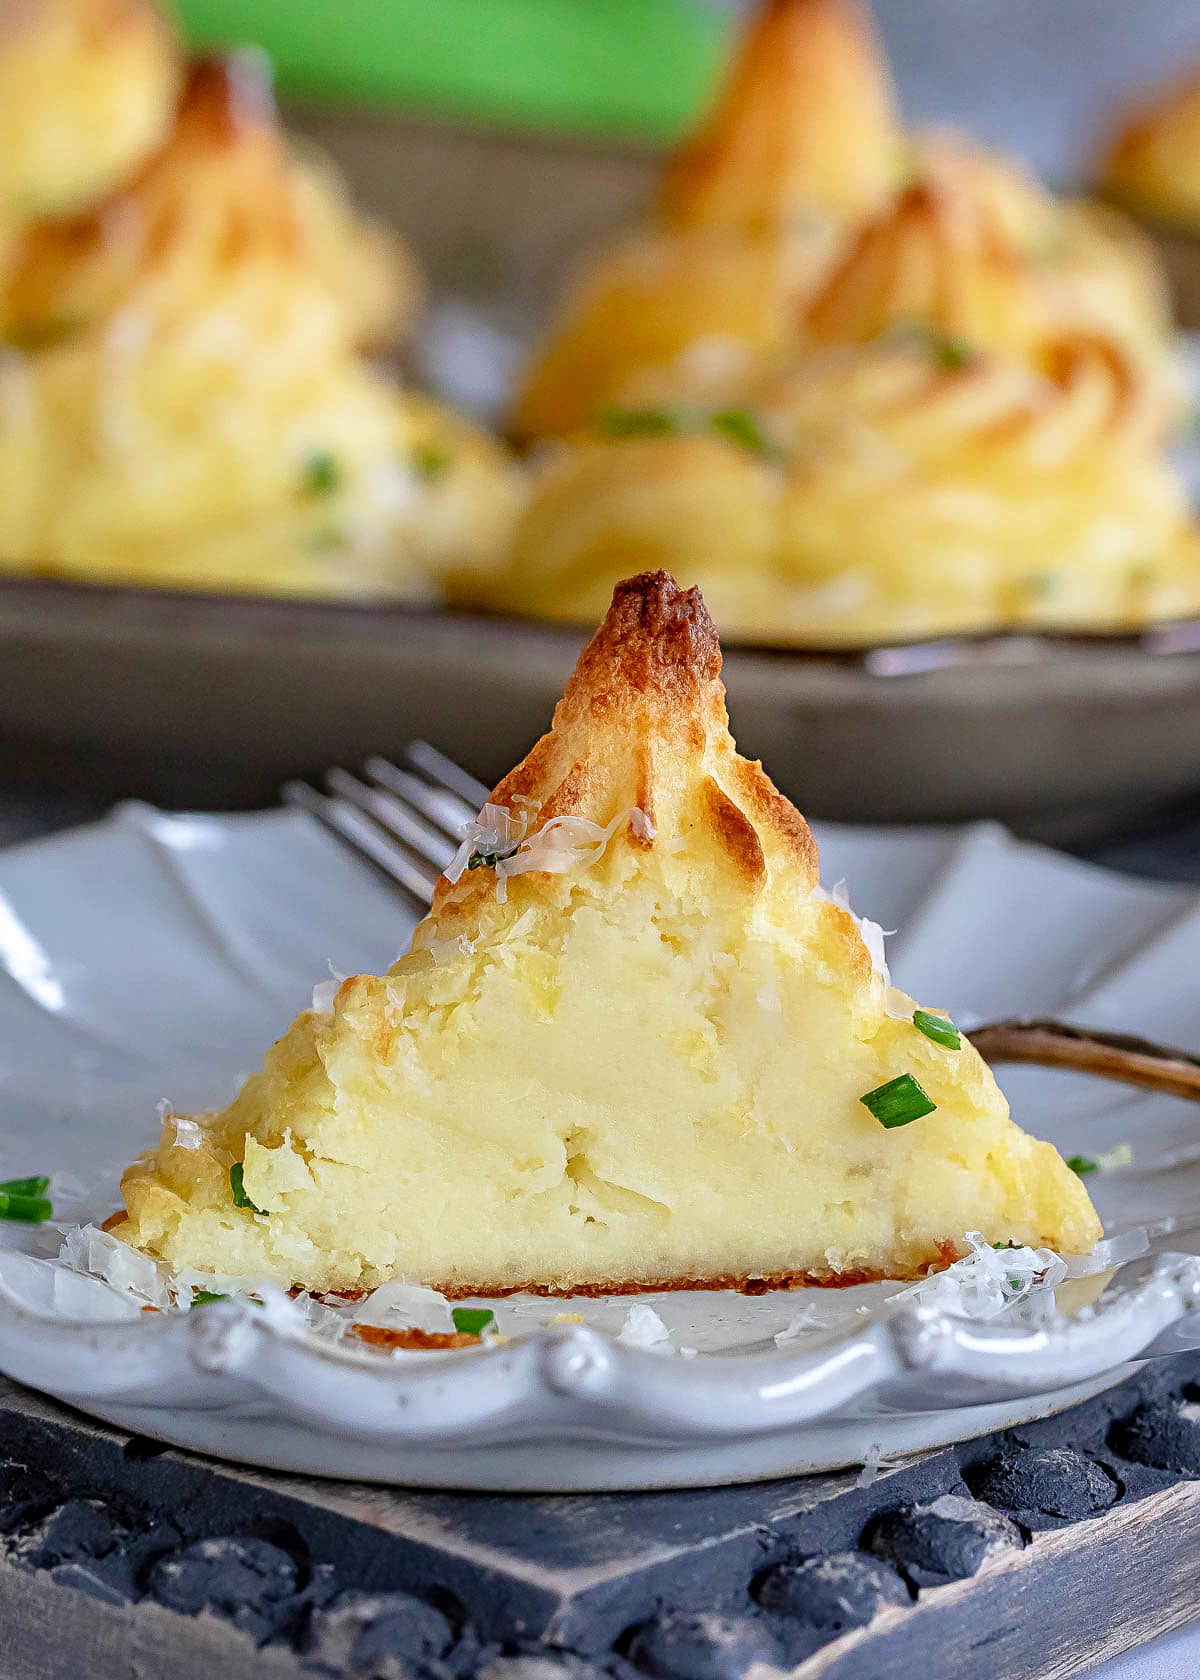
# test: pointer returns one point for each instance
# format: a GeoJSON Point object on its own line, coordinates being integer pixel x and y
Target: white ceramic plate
{"type": "Point", "coordinates": [153, 956]}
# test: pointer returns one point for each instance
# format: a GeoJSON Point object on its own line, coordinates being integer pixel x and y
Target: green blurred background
{"type": "Point", "coordinates": [1031, 76]}
{"type": "Point", "coordinates": [634, 69]}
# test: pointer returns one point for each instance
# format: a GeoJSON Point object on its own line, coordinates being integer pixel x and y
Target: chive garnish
{"type": "Point", "coordinates": [737, 425]}
{"type": "Point", "coordinates": [24, 1186]}
{"type": "Point", "coordinates": [430, 461]}
{"type": "Point", "coordinates": [322, 474]}
{"type": "Point", "coordinates": [937, 1028]}
{"type": "Point", "coordinates": [201, 1297]}
{"type": "Point", "coordinates": [642, 422]}
{"type": "Point", "coordinates": [42, 335]}
{"type": "Point", "coordinates": [742, 428]}
{"type": "Point", "coordinates": [949, 353]}
{"type": "Point", "coordinates": [29, 1210]}
{"type": "Point", "coordinates": [237, 1183]}
{"type": "Point", "coordinates": [952, 354]}
{"type": "Point", "coordinates": [899, 1102]}
{"type": "Point", "coordinates": [472, 1321]}
{"type": "Point", "coordinates": [489, 860]}
{"type": "Point", "coordinates": [1082, 1164]}
{"type": "Point", "coordinates": [1041, 583]}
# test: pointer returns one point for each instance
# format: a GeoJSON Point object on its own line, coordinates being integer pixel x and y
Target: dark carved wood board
{"type": "Point", "coordinates": [1063, 1542]}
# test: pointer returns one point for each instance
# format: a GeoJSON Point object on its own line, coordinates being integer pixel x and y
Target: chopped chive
{"type": "Point", "coordinates": [237, 1177]}
{"type": "Point", "coordinates": [742, 428]}
{"type": "Point", "coordinates": [430, 461]}
{"type": "Point", "coordinates": [1141, 575]}
{"type": "Point", "coordinates": [937, 1028]}
{"type": "Point", "coordinates": [949, 353]}
{"type": "Point", "coordinates": [1041, 584]}
{"type": "Point", "coordinates": [737, 425]}
{"type": "Point", "coordinates": [42, 335]}
{"type": "Point", "coordinates": [641, 422]}
{"type": "Point", "coordinates": [201, 1297]}
{"type": "Point", "coordinates": [29, 1210]}
{"type": "Point", "coordinates": [473, 1321]}
{"type": "Point", "coordinates": [899, 1102]}
{"type": "Point", "coordinates": [322, 474]}
{"type": "Point", "coordinates": [24, 1186]}
{"type": "Point", "coordinates": [489, 860]}
{"type": "Point", "coordinates": [952, 354]}
{"type": "Point", "coordinates": [1082, 1164]}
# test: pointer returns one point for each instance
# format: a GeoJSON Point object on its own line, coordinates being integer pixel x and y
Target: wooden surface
{"type": "Point", "coordinates": [669, 1585]}
{"type": "Point", "coordinates": [1066, 1601]}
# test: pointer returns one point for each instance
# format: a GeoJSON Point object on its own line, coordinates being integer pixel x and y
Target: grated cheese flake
{"type": "Point", "coordinates": [88, 1249]}
{"type": "Point", "coordinates": [873, 935]}
{"type": "Point", "coordinates": [989, 1281]}
{"type": "Point", "coordinates": [406, 1306]}
{"type": "Point", "coordinates": [643, 1328]}
{"type": "Point", "coordinates": [558, 847]}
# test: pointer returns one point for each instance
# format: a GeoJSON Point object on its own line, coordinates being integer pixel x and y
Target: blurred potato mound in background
{"type": "Point", "coordinates": [950, 416]}
{"type": "Point", "coordinates": [184, 394]}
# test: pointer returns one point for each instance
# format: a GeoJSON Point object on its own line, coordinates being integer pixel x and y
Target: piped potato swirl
{"type": "Point", "coordinates": [891, 489]}
{"type": "Point", "coordinates": [749, 215]}
{"type": "Point", "coordinates": [183, 397]}
{"type": "Point", "coordinates": [952, 444]}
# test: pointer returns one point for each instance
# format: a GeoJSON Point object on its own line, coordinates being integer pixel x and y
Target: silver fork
{"type": "Point", "coordinates": [408, 819]}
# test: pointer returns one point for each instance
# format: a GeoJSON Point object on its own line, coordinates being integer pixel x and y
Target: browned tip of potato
{"type": "Point", "coordinates": [642, 726]}
{"type": "Point", "coordinates": [807, 75]}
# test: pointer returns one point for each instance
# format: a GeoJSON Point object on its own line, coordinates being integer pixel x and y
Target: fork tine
{"type": "Point", "coordinates": [364, 835]}
{"type": "Point", "coordinates": [442, 770]}
{"type": "Point", "coordinates": [391, 814]}
{"type": "Point", "coordinates": [444, 809]}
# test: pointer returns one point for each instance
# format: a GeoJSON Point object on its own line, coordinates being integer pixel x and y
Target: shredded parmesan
{"type": "Point", "coordinates": [1111, 1251]}
{"type": "Point", "coordinates": [809, 1319]}
{"type": "Point", "coordinates": [496, 830]}
{"type": "Point", "coordinates": [872, 1460]}
{"type": "Point", "coordinates": [325, 991]}
{"type": "Point", "coordinates": [188, 1135]}
{"type": "Point", "coordinates": [406, 1306]}
{"type": "Point", "coordinates": [873, 936]}
{"type": "Point", "coordinates": [991, 1281]}
{"type": "Point", "coordinates": [643, 1328]}
{"type": "Point", "coordinates": [88, 1249]}
{"type": "Point", "coordinates": [560, 846]}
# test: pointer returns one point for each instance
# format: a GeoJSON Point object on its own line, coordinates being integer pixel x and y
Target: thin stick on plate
{"type": "Point", "coordinates": [1119, 1056]}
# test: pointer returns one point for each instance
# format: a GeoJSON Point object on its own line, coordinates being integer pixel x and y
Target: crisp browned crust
{"type": "Point", "coordinates": [737, 1283]}
{"type": "Point", "coordinates": [763, 800]}
{"type": "Point", "coordinates": [226, 139]}
{"type": "Point", "coordinates": [738, 835]}
{"type": "Point", "coordinates": [945, 1252]}
{"type": "Point", "coordinates": [937, 255]}
{"type": "Point", "coordinates": [642, 723]}
{"type": "Point", "coordinates": [807, 74]}
{"type": "Point", "coordinates": [377, 1335]}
